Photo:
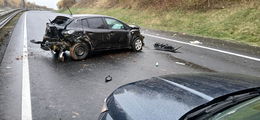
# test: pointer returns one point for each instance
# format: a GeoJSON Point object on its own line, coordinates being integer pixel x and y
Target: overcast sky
{"type": "Point", "coordinates": [48, 3]}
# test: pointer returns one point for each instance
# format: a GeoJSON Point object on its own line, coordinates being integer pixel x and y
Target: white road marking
{"type": "Point", "coordinates": [209, 98]}
{"type": "Point", "coordinates": [26, 93]}
{"type": "Point", "coordinates": [208, 48]}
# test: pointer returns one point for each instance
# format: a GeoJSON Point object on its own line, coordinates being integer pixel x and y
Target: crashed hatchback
{"type": "Point", "coordinates": [81, 34]}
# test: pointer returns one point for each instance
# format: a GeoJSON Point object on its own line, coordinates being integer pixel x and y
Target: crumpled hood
{"type": "Point", "coordinates": [169, 97]}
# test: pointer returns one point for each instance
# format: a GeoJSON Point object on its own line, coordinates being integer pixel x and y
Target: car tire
{"type": "Point", "coordinates": [137, 45]}
{"type": "Point", "coordinates": [79, 51]}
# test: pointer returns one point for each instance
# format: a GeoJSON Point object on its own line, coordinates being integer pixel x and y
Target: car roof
{"type": "Point", "coordinates": [88, 15]}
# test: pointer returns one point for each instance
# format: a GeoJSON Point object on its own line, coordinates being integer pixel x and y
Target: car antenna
{"type": "Point", "coordinates": [69, 11]}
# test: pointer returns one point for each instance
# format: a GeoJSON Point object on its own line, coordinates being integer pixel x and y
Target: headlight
{"type": "Point", "coordinates": [104, 107]}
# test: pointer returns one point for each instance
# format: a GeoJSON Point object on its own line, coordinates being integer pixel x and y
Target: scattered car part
{"type": "Point", "coordinates": [196, 42]}
{"type": "Point", "coordinates": [166, 47]}
{"type": "Point", "coordinates": [180, 63]}
{"type": "Point", "coordinates": [61, 56]}
{"type": "Point", "coordinates": [108, 78]}
{"type": "Point", "coordinates": [156, 64]}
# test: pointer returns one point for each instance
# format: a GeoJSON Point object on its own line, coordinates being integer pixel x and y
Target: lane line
{"type": "Point", "coordinates": [209, 98]}
{"type": "Point", "coordinates": [26, 93]}
{"type": "Point", "coordinates": [208, 48]}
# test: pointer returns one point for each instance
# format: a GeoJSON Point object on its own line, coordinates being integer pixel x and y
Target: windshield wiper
{"type": "Point", "coordinates": [221, 104]}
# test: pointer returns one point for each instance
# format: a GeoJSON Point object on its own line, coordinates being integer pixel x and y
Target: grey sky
{"type": "Point", "coordinates": [48, 3]}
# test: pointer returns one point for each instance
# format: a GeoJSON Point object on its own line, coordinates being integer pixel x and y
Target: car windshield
{"type": "Point", "coordinates": [248, 110]}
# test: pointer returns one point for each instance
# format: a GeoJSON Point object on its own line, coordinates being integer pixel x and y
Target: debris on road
{"type": "Point", "coordinates": [196, 42]}
{"type": "Point", "coordinates": [75, 113]}
{"type": "Point", "coordinates": [180, 63]}
{"type": "Point", "coordinates": [8, 67]}
{"type": "Point", "coordinates": [108, 78]}
{"type": "Point", "coordinates": [74, 116]}
{"type": "Point", "coordinates": [19, 58]}
{"type": "Point", "coordinates": [166, 47]}
{"type": "Point", "coordinates": [36, 42]}
{"type": "Point", "coordinates": [156, 64]}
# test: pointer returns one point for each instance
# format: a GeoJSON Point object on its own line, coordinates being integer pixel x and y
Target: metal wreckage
{"type": "Point", "coordinates": [82, 34]}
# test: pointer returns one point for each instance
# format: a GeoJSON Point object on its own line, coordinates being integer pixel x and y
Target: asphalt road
{"type": "Point", "coordinates": [76, 89]}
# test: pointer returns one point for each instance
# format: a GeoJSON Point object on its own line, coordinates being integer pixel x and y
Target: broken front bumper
{"type": "Point", "coordinates": [48, 43]}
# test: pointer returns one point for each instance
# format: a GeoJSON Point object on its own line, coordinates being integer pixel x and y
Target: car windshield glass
{"type": "Point", "coordinates": [248, 110]}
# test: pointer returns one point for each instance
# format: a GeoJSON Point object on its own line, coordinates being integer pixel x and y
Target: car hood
{"type": "Point", "coordinates": [171, 96]}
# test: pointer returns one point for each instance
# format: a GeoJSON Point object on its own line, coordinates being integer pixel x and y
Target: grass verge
{"type": "Point", "coordinates": [237, 24]}
{"type": "Point", "coordinates": [5, 34]}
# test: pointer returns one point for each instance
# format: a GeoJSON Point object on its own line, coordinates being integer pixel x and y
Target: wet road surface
{"type": "Point", "coordinates": [76, 89]}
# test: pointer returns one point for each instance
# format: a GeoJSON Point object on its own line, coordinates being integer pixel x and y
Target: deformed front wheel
{"type": "Point", "coordinates": [137, 45]}
{"type": "Point", "coordinates": [79, 51]}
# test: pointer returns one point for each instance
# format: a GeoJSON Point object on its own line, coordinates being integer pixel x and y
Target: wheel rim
{"type": "Point", "coordinates": [80, 51]}
{"type": "Point", "coordinates": [138, 44]}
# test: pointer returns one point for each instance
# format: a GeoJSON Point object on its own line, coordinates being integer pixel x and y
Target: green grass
{"type": "Point", "coordinates": [238, 24]}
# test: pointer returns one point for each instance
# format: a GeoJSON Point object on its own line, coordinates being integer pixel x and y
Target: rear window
{"type": "Point", "coordinates": [60, 20]}
{"type": "Point", "coordinates": [96, 23]}
{"type": "Point", "coordinates": [75, 24]}
{"type": "Point", "coordinates": [85, 23]}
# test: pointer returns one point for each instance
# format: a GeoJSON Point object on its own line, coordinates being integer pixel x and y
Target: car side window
{"type": "Point", "coordinates": [75, 24]}
{"type": "Point", "coordinates": [96, 23]}
{"type": "Point", "coordinates": [114, 24]}
{"type": "Point", "coordinates": [85, 23]}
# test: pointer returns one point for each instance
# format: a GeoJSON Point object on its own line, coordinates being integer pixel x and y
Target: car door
{"type": "Point", "coordinates": [119, 35]}
{"type": "Point", "coordinates": [94, 28]}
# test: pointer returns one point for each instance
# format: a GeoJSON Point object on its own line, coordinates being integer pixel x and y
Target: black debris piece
{"type": "Point", "coordinates": [108, 79]}
{"type": "Point", "coordinates": [166, 47]}
{"type": "Point", "coordinates": [36, 42]}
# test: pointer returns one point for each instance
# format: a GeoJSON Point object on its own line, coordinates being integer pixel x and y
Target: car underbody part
{"type": "Point", "coordinates": [61, 56]}
{"type": "Point", "coordinates": [52, 46]}
{"type": "Point", "coordinates": [166, 47]}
